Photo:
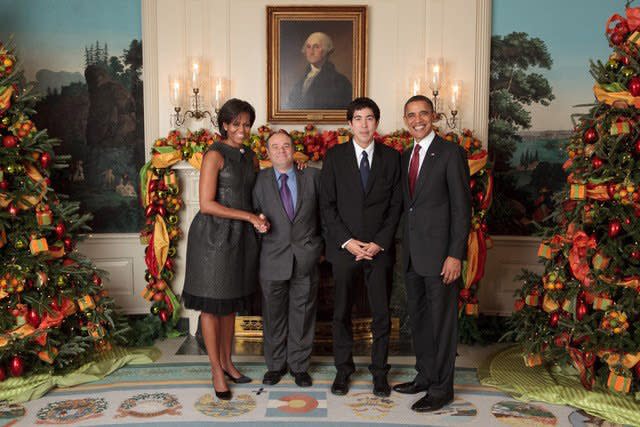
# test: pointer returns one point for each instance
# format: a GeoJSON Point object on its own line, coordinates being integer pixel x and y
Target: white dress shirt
{"type": "Point", "coordinates": [424, 144]}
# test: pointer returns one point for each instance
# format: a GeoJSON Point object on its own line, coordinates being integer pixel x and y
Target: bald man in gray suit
{"type": "Point", "coordinates": [289, 256]}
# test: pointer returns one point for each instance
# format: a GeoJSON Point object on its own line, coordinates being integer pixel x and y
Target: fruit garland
{"type": "Point", "coordinates": [161, 199]}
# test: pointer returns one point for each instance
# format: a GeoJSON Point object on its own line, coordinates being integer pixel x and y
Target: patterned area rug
{"type": "Point", "coordinates": [181, 395]}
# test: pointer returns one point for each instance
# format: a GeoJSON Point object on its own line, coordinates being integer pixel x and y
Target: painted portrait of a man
{"type": "Point", "coordinates": [316, 61]}
{"type": "Point", "coordinates": [321, 86]}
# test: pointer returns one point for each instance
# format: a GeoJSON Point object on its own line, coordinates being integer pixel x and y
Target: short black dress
{"type": "Point", "coordinates": [222, 253]}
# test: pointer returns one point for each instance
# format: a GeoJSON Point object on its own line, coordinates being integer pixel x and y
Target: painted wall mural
{"type": "Point", "coordinates": [85, 61]}
{"type": "Point", "coordinates": [540, 53]}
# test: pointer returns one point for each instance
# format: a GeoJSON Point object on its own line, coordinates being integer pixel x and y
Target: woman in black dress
{"type": "Point", "coordinates": [222, 250]}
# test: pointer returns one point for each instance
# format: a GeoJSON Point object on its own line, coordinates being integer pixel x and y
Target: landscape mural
{"type": "Point", "coordinates": [540, 54]}
{"type": "Point", "coordinates": [84, 59]}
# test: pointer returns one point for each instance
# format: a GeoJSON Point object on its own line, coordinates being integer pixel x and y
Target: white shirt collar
{"type": "Point", "coordinates": [369, 151]}
{"type": "Point", "coordinates": [425, 142]}
{"type": "Point", "coordinates": [314, 70]}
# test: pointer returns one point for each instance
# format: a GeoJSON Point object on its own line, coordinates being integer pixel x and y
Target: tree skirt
{"type": "Point", "coordinates": [506, 371]}
{"type": "Point", "coordinates": [35, 386]}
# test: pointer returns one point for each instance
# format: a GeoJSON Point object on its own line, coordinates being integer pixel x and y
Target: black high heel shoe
{"type": "Point", "coordinates": [242, 379]}
{"type": "Point", "coordinates": [222, 395]}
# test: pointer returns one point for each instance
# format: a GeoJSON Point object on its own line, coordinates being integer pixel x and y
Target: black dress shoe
{"type": "Point", "coordinates": [303, 379]}
{"type": "Point", "coordinates": [242, 379]}
{"type": "Point", "coordinates": [381, 386]}
{"type": "Point", "coordinates": [430, 403]}
{"type": "Point", "coordinates": [273, 377]}
{"type": "Point", "coordinates": [222, 395]}
{"type": "Point", "coordinates": [340, 385]}
{"type": "Point", "coordinates": [409, 388]}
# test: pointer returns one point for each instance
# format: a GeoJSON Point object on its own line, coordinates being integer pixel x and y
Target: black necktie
{"type": "Point", "coordinates": [364, 169]}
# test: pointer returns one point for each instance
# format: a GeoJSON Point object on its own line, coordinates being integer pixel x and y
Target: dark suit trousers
{"type": "Point", "coordinates": [433, 314]}
{"type": "Point", "coordinates": [289, 321]}
{"type": "Point", "coordinates": [377, 280]}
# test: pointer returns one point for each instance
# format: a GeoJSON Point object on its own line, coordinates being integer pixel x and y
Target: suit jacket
{"type": "Point", "coordinates": [438, 216]}
{"type": "Point", "coordinates": [287, 240]}
{"type": "Point", "coordinates": [328, 90]}
{"type": "Point", "coordinates": [349, 211]}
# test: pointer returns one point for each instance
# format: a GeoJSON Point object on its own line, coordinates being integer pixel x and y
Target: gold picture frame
{"type": "Point", "coordinates": [294, 95]}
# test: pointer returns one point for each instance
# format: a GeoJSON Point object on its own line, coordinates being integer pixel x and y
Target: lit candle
{"type": "Point", "coordinates": [195, 75]}
{"type": "Point", "coordinates": [218, 94]}
{"type": "Point", "coordinates": [416, 87]}
{"type": "Point", "coordinates": [436, 76]}
{"type": "Point", "coordinates": [175, 91]}
{"type": "Point", "coordinates": [455, 95]}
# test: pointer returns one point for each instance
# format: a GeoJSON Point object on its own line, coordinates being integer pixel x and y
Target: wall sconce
{"type": "Point", "coordinates": [198, 81]}
{"type": "Point", "coordinates": [435, 78]}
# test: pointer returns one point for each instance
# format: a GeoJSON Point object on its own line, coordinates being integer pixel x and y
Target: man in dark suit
{"type": "Point", "coordinates": [361, 202]}
{"type": "Point", "coordinates": [289, 255]}
{"type": "Point", "coordinates": [322, 86]}
{"type": "Point", "coordinates": [437, 216]}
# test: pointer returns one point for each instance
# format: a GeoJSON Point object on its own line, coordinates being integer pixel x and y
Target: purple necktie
{"type": "Point", "coordinates": [285, 195]}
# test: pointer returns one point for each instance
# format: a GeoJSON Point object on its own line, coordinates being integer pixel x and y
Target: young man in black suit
{"type": "Point", "coordinates": [437, 216]}
{"type": "Point", "coordinates": [361, 202]}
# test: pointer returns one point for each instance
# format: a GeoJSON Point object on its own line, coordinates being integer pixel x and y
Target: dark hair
{"type": "Point", "coordinates": [361, 104]}
{"type": "Point", "coordinates": [282, 132]}
{"type": "Point", "coordinates": [418, 98]}
{"type": "Point", "coordinates": [231, 110]}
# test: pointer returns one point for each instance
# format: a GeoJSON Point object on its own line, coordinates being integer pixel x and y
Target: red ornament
{"type": "Point", "coordinates": [635, 254]}
{"type": "Point", "coordinates": [60, 230]}
{"type": "Point", "coordinates": [479, 196]}
{"type": "Point", "coordinates": [611, 189]}
{"type": "Point", "coordinates": [68, 244]}
{"type": "Point", "coordinates": [561, 340]}
{"type": "Point", "coordinates": [590, 136]}
{"type": "Point", "coordinates": [96, 280]}
{"type": "Point", "coordinates": [627, 221]}
{"type": "Point", "coordinates": [4, 185]}
{"type": "Point", "coordinates": [472, 183]}
{"type": "Point", "coordinates": [636, 146]}
{"type": "Point", "coordinates": [9, 141]}
{"type": "Point", "coordinates": [634, 86]}
{"type": "Point", "coordinates": [13, 211]}
{"type": "Point", "coordinates": [553, 319]}
{"type": "Point", "coordinates": [484, 227]}
{"type": "Point", "coordinates": [45, 160]}
{"type": "Point", "coordinates": [581, 310]}
{"type": "Point", "coordinates": [153, 185]}
{"type": "Point", "coordinates": [162, 211]}
{"type": "Point", "coordinates": [625, 60]}
{"type": "Point", "coordinates": [16, 366]}
{"type": "Point", "coordinates": [518, 305]}
{"type": "Point", "coordinates": [164, 316]}
{"type": "Point", "coordinates": [33, 318]}
{"type": "Point", "coordinates": [614, 228]}
{"type": "Point", "coordinates": [465, 293]}
{"type": "Point", "coordinates": [169, 264]}
{"type": "Point", "coordinates": [596, 162]}
{"type": "Point", "coordinates": [3, 374]}
{"type": "Point", "coordinates": [47, 181]}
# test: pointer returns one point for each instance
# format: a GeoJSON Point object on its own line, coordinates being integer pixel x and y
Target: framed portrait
{"type": "Point", "coordinates": [316, 62]}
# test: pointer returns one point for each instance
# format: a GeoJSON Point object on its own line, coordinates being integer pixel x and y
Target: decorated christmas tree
{"type": "Point", "coordinates": [585, 308]}
{"type": "Point", "coordinates": [54, 312]}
